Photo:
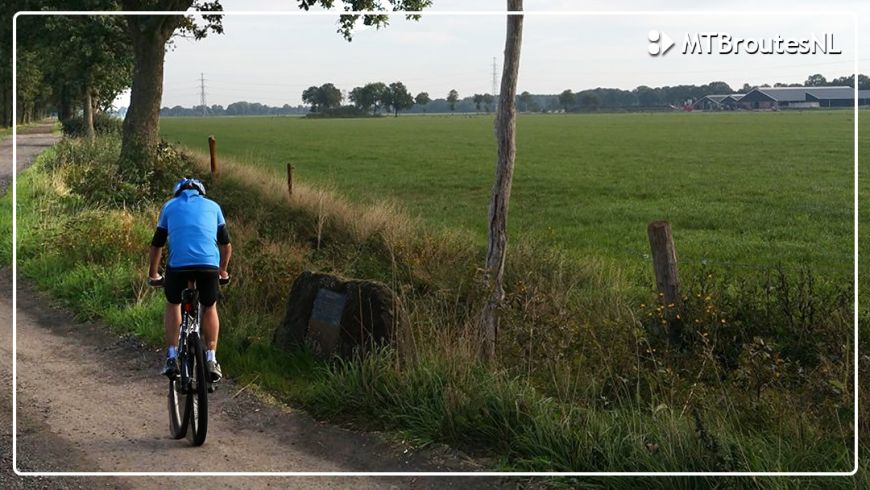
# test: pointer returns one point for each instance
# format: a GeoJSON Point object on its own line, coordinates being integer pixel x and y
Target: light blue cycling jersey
{"type": "Point", "coordinates": [192, 223]}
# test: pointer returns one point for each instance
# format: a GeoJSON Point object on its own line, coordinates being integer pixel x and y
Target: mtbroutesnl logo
{"type": "Point", "coordinates": [723, 43]}
{"type": "Point", "coordinates": [659, 43]}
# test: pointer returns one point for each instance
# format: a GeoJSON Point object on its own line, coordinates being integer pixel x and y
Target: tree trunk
{"type": "Point", "coordinates": [141, 124]}
{"type": "Point", "coordinates": [505, 129]}
{"type": "Point", "coordinates": [3, 104]}
{"type": "Point", "coordinates": [65, 107]}
{"type": "Point", "coordinates": [89, 114]}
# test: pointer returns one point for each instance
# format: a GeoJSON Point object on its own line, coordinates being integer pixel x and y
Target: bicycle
{"type": "Point", "coordinates": [188, 392]}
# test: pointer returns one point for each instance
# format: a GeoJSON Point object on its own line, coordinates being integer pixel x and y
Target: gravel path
{"type": "Point", "coordinates": [31, 142]}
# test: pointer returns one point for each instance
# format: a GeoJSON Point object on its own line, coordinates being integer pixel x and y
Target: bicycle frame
{"type": "Point", "coordinates": [190, 318]}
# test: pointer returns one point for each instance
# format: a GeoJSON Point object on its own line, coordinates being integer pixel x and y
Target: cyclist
{"type": "Point", "coordinates": [199, 250]}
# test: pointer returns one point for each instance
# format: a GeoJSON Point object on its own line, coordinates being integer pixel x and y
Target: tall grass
{"type": "Point", "coordinates": [586, 381]}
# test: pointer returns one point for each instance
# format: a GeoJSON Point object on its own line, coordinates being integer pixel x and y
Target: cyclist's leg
{"type": "Point", "coordinates": [171, 323]}
{"type": "Point", "coordinates": [210, 326]}
{"type": "Point", "coordinates": [207, 285]}
{"type": "Point", "coordinates": [172, 287]}
{"type": "Point", "coordinates": [173, 283]}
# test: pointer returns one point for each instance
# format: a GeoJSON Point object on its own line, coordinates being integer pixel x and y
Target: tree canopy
{"type": "Point", "coordinates": [322, 98]}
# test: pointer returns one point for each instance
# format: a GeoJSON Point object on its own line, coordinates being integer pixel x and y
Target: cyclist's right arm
{"type": "Point", "coordinates": [224, 246]}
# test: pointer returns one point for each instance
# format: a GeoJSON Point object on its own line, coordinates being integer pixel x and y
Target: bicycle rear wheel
{"type": "Point", "coordinates": [198, 396]}
{"type": "Point", "coordinates": [179, 409]}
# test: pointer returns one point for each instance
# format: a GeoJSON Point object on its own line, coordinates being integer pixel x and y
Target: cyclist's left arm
{"type": "Point", "coordinates": [161, 233]}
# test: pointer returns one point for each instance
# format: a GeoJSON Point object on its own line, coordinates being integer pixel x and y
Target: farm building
{"type": "Point", "coordinates": [718, 102]}
{"type": "Point", "coordinates": [802, 97]}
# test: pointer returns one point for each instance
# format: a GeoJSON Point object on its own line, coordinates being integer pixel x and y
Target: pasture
{"type": "Point", "coordinates": [746, 190]}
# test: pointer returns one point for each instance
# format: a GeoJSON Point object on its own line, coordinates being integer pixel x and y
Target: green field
{"type": "Point", "coordinates": [744, 189]}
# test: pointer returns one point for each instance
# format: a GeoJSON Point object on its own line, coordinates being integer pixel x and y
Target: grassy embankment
{"type": "Point", "coordinates": [758, 382]}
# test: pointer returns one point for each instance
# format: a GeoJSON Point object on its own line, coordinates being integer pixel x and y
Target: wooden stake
{"type": "Point", "coordinates": [290, 179]}
{"type": "Point", "coordinates": [664, 256]}
{"type": "Point", "coordinates": [212, 150]}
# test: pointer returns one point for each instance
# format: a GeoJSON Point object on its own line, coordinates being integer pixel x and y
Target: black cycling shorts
{"type": "Point", "coordinates": [206, 283]}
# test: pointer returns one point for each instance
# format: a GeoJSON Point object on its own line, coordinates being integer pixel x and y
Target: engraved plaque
{"type": "Point", "coordinates": [325, 323]}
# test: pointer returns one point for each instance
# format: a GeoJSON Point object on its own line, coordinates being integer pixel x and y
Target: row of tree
{"type": "Point", "coordinates": [370, 98]}
{"type": "Point", "coordinates": [94, 65]}
{"type": "Point", "coordinates": [241, 108]}
{"type": "Point", "coordinates": [375, 97]}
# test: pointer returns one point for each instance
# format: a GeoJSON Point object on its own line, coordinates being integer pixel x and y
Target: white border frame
{"type": "Point", "coordinates": [413, 473]}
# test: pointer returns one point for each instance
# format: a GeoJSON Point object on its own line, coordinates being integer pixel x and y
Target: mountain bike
{"type": "Point", "coordinates": [188, 392]}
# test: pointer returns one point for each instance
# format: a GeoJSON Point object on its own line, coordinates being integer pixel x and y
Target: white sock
{"type": "Point", "coordinates": [170, 352]}
{"type": "Point", "coordinates": [209, 356]}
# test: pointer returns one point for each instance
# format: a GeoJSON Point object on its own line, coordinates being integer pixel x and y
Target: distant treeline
{"type": "Point", "coordinates": [241, 108]}
{"type": "Point", "coordinates": [375, 97]}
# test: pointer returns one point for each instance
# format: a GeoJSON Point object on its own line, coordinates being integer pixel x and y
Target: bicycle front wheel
{"type": "Point", "coordinates": [198, 396]}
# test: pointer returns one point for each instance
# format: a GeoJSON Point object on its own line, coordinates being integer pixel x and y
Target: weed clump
{"type": "Point", "coordinates": [104, 125]}
{"type": "Point", "coordinates": [93, 171]}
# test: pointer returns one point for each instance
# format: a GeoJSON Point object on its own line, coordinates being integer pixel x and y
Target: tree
{"type": "Point", "coordinates": [80, 61]}
{"type": "Point", "coordinates": [817, 80]}
{"type": "Point", "coordinates": [310, 96]}
{"type": "Point", "coordinates": [716, 88]}
{"type": "Point", "coordinates": [526, 100]}
{"type": "Point", "coordinates": [589, 102]}
{"type": "Point", "coordinates": [95, 65]}
{"type": "Point", "coordinates": [505, 129]}
{"type": "Point", "coordinates": [359, 99]}
{"type": "Point", "coordinates": [399, 98]}
{"type": "Point", "coordinates": [566, 99]}
{"type": "Point", "coordinates": [422, 99]}
{"type": "Point", "coordinates": [478, 100]}
{"type": "Point", "coordinates": [646, 96]}
{"type": "Point", "coordinates": [322, 98]}
{"type": "Point", "coordinates": [378, 92]}
{"type": "Point", "coordinates": [328, 96]}
{"type": "Point", "coordinates": [30, 86]}
{"type": "Point", "coordinates": [452, 98]}
{"type": "Point", "coordinates": [149, 35]}
{"type": "Point", "coordinates": [488, 101]}
{"type": "Point", "coordinates": [368, 97]}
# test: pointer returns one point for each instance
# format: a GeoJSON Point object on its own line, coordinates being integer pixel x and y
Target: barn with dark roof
{"type": "Point", "coordinates": [803, 97]}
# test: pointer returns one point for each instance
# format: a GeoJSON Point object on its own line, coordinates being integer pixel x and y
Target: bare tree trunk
{"type": "Point", "coordinates": [505, 130]}
{"type": "Point", "coordinates": [89, 113]}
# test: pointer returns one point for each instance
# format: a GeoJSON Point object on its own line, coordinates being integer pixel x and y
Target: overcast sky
{"type": "Point", "coordinates": [271, 59]}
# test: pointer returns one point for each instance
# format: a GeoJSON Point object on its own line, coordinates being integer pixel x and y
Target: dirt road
{"type": "Point", "coordinates": [31, 142]}
{"type": "Point", "coordinates": [91, 401]}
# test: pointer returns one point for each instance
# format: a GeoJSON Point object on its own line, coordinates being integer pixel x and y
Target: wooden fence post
{"type": "Point", "coordinates": [290, 179]}
{"type": "Point", "coordinates": [212, 150]}
{"type": "Point", "coordinates": [661, 243]}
